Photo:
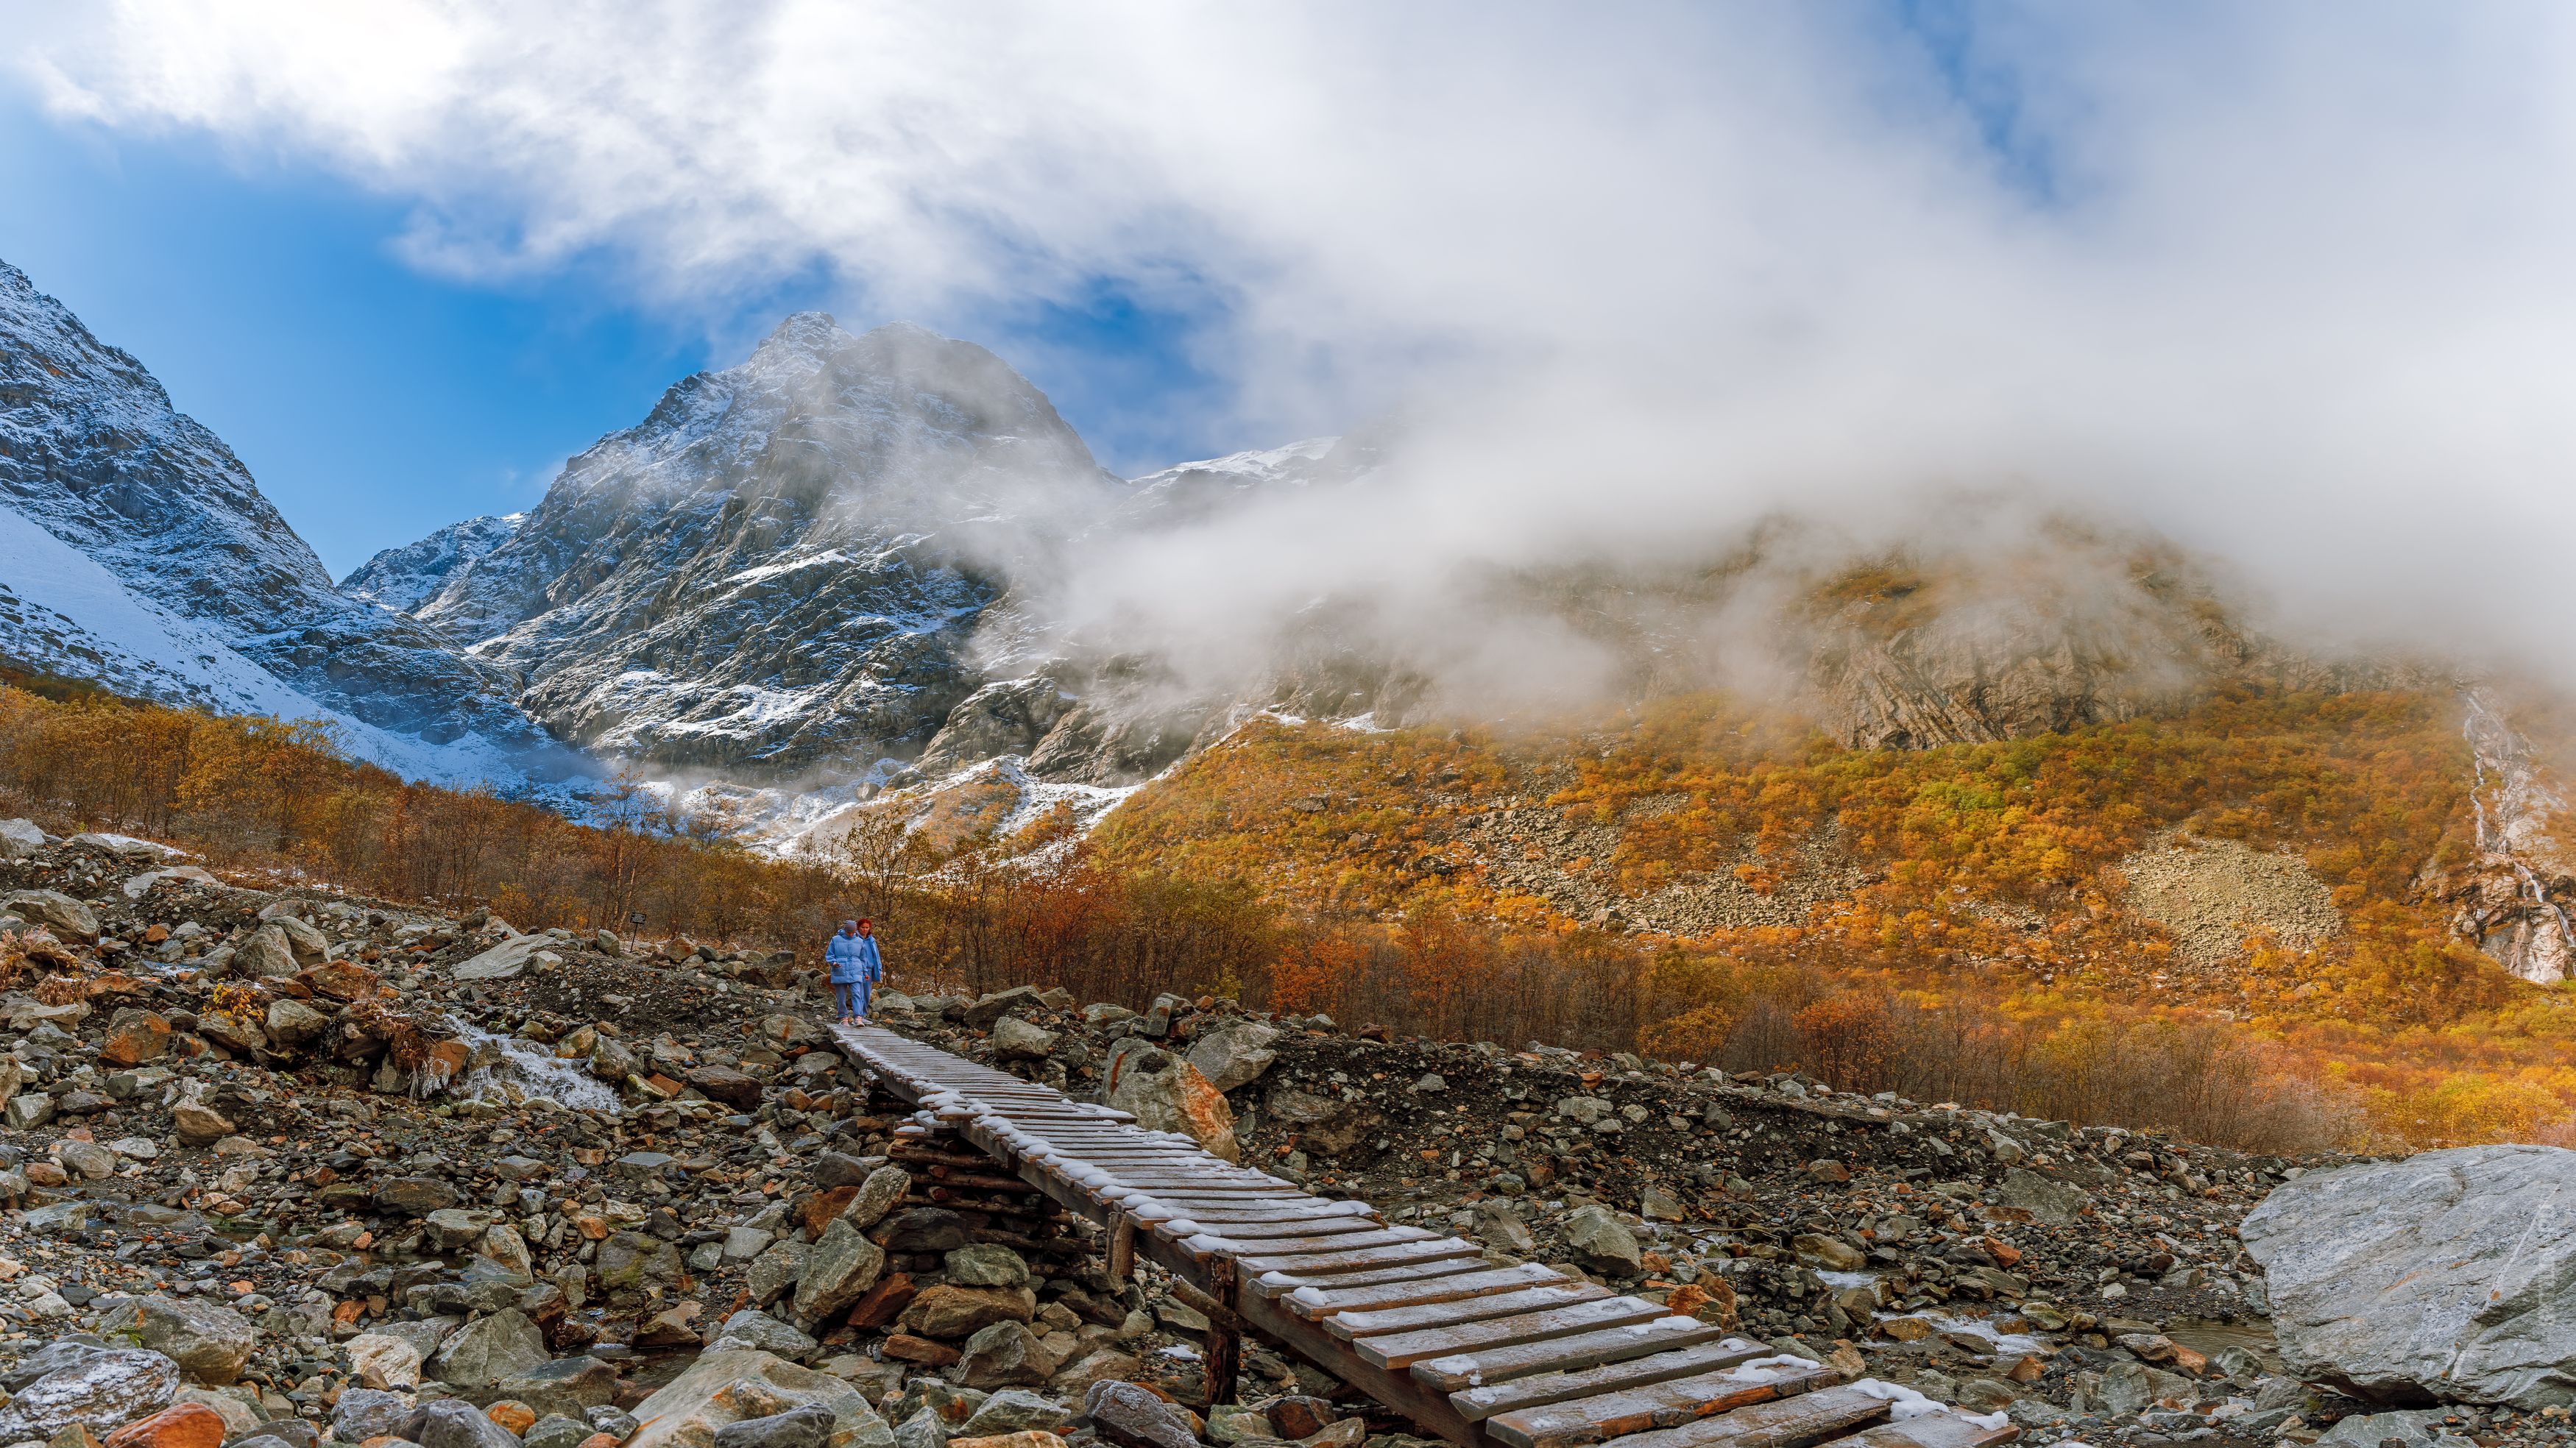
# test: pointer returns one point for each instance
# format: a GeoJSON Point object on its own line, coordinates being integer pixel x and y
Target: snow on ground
{"type": "Point", "coordinates": [64, 614]}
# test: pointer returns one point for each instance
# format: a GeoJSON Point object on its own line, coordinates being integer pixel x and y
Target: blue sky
{"type": "Point", "coordinates": [375, 400]}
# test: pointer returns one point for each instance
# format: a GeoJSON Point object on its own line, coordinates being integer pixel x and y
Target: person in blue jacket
{"type": "Point", "coordinates": [856, 969]}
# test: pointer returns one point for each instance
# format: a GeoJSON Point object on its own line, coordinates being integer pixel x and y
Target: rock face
{"type": "Point", "coordinates": [92, 453]}
{"type": "Point", "coordinates": [781, 566]}
{"type": "Point", "coordinates": [404, 578]}
{"type": "Point", "coordinates": [2443, 1276]}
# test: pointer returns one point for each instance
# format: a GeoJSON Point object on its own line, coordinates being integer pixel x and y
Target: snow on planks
{"type": "Point", "coordinates": [1483, 1355]}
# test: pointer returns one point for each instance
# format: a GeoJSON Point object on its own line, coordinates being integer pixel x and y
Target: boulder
{"type": "Point", "coordinates": [1602, 1242]}
{"type": "Point", "coordinates": [738, 1089]}
{"type": "Point", "coordinates": [267, 953]}
{"type": "Point", "coordinates": [1236, 1054]}
{"type": "Point", "coordinates": [877, 1195]}
{"type": "Point", "coordinates": [985, 1010]}
{"type": "Point", "coordinates": [364, 1413]}
{"type": "Point", "coordinates": [2444, 1275]}
{"type": "Point", "coordinates": [556, 1431]}
{"type": "Point", "coordinates": [484, 1352]}
{"type": "Point", "coordinates": [1003, 1354]}
{"type": "Point", "coordinates": [1135, 1417]}
{"type": "Point", "coordinates": [19, 839]}
{"type": "Point", "coordinates": [844, 1265]}
{"type": "Point", "coordinates": [723, 1388]}
{"type": "Point", "coordinates": [950, 1311]}
{"type": "Point", "coordinates": [55, 911]}
{"type": "Point", "coordinates": [180, 1425]}
{"type": "Point", "coordinates": [1827, 1254]}
{"type": "Point", "coordinates": [758, 1330]}
{"type": "Point", "coordinates": [101, 1389]}
{"type": "Point", "coordinates": [1015, 1410]}
{"type": "Point", "coordinates": [987, 1264]}
{"type": "Point", "coordinates": [1325, 1126]}
{"type": "Point", "coordinates": [415, 1196]}
{"type": "Point", "coordinates": [1166, 1093]}
{"type": "Point", "coordinates": [209, 1343]}
{"type": "Point", "coordinates": [293, 1023]}
{"type": "Point", "coordinates": [125, 847]}
{"type": "Point", "coordinates": [454, 1423]}
{"type": "Point", "coordinates": [809, 1426]}
{"type": "Point", "coordinates": [566, 1386]}
{"type": "Point", "coordinates": [505, 961]}
{"type": "Point", "coordinates": [309, 946]}
{"type": "Point", "coordinates": [2053, 1202]}
{"type": "Point", "coordinates": [199, 1124]}
{"type": "Point", "coordinates": [134, 1036]}
{"type": "Point", "coordinates": [1017, 1040]}
{"type": "Point", "coordinates": [631, 1261]}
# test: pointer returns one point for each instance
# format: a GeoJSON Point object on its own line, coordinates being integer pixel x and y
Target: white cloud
{"type": "Point", "coordinates": [2288, 281]}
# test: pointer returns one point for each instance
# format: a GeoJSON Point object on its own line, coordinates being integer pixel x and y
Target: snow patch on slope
{"type": "Point", "coordinates": [62, 613]}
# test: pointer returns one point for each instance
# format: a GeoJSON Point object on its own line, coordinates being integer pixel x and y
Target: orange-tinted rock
{"type": "Point", "coordinates": [820, 1208]}
{"type": "Point", "coordinates": [342, 980]}
{"type": "Point", "coordinates": [884, 1302]}
{"type": "Point", "coordinates": [181, 1425]}
{"type": "Point", "coordinates": [904, 1347]}
{"type": "Point", "coordinates": [135, 1037]}
{"type": "Point", "coordinates": [512, 1414]}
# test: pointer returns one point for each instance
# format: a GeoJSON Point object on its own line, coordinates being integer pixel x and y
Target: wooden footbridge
{"type": "Point", "coordinates": [1518, 1356]}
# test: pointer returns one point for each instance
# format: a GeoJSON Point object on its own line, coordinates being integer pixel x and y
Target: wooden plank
{"type": "Point", "coordinates": [1666, 1404]}
{"type": "Point", "coordinates": [1458, 1371]}
{"type": "Point", "coordinates": [1781, 1423]}
{"type": "Point", "coordinates": [1396, 1255]}
{"type": "Point", "coordinates": [1935, 1430]}
{"type": "Point", "coordinates": [1404, 1349]}
{"type": "Point", "coordinates": [1316, 1303]}
{"type": "Point", "coordinates": [1367, 1277]}
{"type": "Point", "coordinates": [1292, 1246]}
{"type": "Point", "coordinates": [1266, 1233]}
{"type": "Point", "coordinates": [1464, 1309]}
{"type": "Point", "coordinates": [1481, 1402]}
{"type": "Point", "coordinates": [1431, 1412]}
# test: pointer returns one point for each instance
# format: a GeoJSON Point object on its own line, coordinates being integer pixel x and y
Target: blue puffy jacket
{"type": "Point", "coordinates": [854, 957]}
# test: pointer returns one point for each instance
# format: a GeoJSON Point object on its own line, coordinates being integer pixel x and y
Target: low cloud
{"type": "Point", "coordinates": [2286, 284]}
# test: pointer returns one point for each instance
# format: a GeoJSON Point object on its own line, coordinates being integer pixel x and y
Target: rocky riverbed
{"type": "Point", "coordinates": [285, 1165]}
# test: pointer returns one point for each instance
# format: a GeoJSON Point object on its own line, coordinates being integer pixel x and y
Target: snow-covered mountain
{"type": "Point", "coordinates": [404, 578]}
{"type": "Point", "coordinates": [93, 456]}
{"type": "Point", "coordinates": [781, 567]}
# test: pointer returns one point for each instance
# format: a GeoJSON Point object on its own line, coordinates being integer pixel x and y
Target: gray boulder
{"type": "Point", "coordinates": [693, 1407]}
{"type": "Point", "coordinates": [505, 961]}
{"type": "Point", "coordinates": [555, 1430]}
{"type": "Point", "coordinates": [1003, 1354]}
{"type": "Point", "coordinates": [843, 1267]}
{"type": "Point", "coordinates": [102, 1389]}
{"type": "Point", "coordinates": [55, 911]}
{"type": "Point", "coordinates": [2446, 1275]}
{"type": "Point", "coordinates": [2053, 1202]}
{"type": "Point", "coordinates": [454, 1423]}
{"type": "Point", "coordinates": [1015, 1410]}
{"type": "Point", "coordinates": [19, 839]}
{"type": "Point", "coordinates": [1602, 1241]}
{"type": "Point", "coordinates": [1017, 1040]}
{"type": "Point", "coordinates": [761, 1332]}
{"type": "Point", "coordinates": [364, 1413]}
{"type": "Point", "coordinates": [565, 1387]}
{"type": "Point", "coordinates": [209, 1343]}
{"type": "Point", "coordinates": [268, 952]}
{"type": "Point", "coordinates": [1235, 1055]}
{"type": "Point", "coordinates": [877, 1195]}
{"type": "Point", "coordinates": [806, 1427]}
{"type": "Point", "coordinates": [489, 1349]}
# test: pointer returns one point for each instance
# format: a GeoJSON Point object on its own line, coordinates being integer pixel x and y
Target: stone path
{"type": "Point", "coordinates": [1519, 1356]}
